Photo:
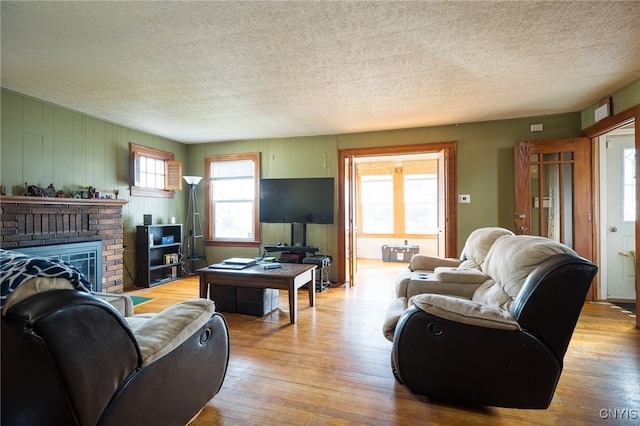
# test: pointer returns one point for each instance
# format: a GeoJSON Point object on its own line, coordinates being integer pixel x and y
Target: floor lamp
{"type": "Point", "coordinates": [194, 225]}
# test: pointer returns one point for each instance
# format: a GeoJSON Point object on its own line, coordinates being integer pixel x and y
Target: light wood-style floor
{"type": "Point", "coordinates": [332, 367]}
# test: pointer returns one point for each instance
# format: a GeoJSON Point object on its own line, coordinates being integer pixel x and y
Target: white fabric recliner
{"type": "Point", "coordinates": [437, 275]}
{"type": "Point", "coordinates": [505, 345]}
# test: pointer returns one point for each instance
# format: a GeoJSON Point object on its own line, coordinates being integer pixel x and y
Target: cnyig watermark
{"type": "Point", "coordinates": [619, 413]}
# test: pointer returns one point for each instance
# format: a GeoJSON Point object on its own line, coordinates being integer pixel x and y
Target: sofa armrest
{"type": "Point", "coordinates": [121, 302]}
{"type": "Point", "coordinates": [402, 282]}
{"type": "Point", "coordinates": [159, 334]}
{"type": "Point", "coordinates": [397, 307]}
{"type": "Point", "coordinates": [461, 276]}
{"type": "Point", "coordinates": [465, 311]}
{"type": "Point", "coordinates": [423, 262]}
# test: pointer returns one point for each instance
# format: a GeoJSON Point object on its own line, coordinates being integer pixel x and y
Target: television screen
{"type": "Point", "coordinates": [301, 200]}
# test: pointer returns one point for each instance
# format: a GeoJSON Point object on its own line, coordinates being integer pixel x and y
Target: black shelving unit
{"type": "Point", "coordinates": [159, 254]}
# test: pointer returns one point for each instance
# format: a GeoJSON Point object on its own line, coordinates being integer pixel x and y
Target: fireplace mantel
{"type": "Point", "coordinates": [20, 199]}
{"type": "Point", "coordinates": [46, 221]}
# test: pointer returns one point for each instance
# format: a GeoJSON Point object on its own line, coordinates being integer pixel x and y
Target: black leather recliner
{"type": "Point", "coordinates": [505, 347]}
{"type": "Point", "coordinates": [70, 358]}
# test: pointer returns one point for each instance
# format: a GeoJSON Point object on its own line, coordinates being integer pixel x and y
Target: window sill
{"type": "Point", "coordinates": [231, 243]}
{"type": "Point", "coordinates": [148, 192]}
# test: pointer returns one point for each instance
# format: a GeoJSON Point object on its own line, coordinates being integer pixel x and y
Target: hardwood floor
{"type": "Point", "coordinates": [332, 367]}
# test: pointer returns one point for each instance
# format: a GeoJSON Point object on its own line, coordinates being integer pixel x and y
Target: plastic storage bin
{"type": "Point", "coordinates": [392, 253]}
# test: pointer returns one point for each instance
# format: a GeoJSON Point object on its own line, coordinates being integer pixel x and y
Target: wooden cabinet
{"type": "Point", "coordinates": [158, 253]}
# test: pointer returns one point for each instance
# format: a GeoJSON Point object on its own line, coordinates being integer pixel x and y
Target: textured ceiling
{"type": "Point", "coordinates": [212, 71]}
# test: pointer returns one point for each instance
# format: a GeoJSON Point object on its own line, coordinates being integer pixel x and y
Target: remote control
{"type": "Point", "coordinates": [271, 265]}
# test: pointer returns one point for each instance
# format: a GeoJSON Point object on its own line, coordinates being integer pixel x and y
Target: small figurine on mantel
{"type": "Point", "coordinates": [38, 191]}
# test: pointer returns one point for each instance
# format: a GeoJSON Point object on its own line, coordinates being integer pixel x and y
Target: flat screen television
{"type": "Point", "coordinates": [296, 200]}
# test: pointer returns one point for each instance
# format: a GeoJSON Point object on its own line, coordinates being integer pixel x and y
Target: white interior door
{"type": "Point", "coordinates": [619, 205]}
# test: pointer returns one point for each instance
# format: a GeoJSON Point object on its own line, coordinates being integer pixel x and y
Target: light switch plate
{"type": "Point", "coordinates": [464, 198]}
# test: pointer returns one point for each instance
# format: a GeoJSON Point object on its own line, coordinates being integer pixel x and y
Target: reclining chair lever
{"type": "Point", "coordinates": [435, 328]}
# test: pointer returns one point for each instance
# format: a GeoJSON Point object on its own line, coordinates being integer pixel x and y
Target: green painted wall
{"type": "Point", "coordinates": [43, 143]}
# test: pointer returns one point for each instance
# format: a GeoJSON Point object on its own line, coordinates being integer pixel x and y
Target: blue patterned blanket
{"type": "Point", "coordinates": [17, 268]}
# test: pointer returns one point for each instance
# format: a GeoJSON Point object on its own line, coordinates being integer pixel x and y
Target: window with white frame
{"type": "Point", "coordinates": [232, 198]}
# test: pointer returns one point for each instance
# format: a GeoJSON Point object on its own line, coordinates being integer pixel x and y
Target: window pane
{"type": "Point", "coordinates": [377, 204]}
{"type": "Point", "coordinates": [233, 220]}
{"type": "Point", "coordinates": [421, 204]}
{"type": "Point", "coordinates": [225, 169]}
{"type": "Point", "coordinates": [150, 172]}
{"type": "Point", "coordinates": [629, 184]}
{"type": "Point", "coordinates": [233, 189]}
{"type": "Point", "coordinates": [159, 167]}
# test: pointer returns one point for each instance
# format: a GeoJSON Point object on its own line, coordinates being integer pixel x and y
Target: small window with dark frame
{"type": "Point", "coordinates": [154, 173]}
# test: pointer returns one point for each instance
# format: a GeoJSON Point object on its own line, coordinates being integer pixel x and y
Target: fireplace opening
{"type": "Point", "coordinates": [85, 256]}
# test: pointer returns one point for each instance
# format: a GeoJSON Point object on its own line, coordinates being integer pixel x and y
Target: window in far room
{"type": "Point", "coordinates": [397, 199]}
{"type": "Point", "coordinates": [421, 204]}
{"type": "Point", "coordinates": [154, 173]}
{"type": "Point", "coordinates": [377, 204]}
{"type": "Point", "coordinates": [231, 199]}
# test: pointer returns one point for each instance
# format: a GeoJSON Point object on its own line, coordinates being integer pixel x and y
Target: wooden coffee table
{"type": "Point", "coordinates": [290, 277]}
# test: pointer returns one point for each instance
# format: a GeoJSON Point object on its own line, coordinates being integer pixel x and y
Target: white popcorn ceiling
{"type": "Point", "coordinates": [214, 71]}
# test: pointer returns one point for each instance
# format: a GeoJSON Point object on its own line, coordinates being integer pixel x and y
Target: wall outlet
{"type": "Point", "coordinates": [464, 198]}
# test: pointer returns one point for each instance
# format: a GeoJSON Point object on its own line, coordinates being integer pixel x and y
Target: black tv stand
{"type": "Point", "coordinates": [291, 249]}
{"type": "Point", "coordinates": [298, 234]}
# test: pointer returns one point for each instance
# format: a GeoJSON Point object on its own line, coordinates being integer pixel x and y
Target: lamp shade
{"type": "Point", "coordinates": [192, 180]}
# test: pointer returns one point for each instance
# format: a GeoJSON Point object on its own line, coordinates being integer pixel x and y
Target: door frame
{"type": "Point", "coordinates": [345, 156]}
{"type": "Point", "coordinates": [603, 203]}
{"type": "Point", "coordinates": [594, 132]}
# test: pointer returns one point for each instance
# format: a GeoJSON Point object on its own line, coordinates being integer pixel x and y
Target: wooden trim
{"type": "Point", "coordinates": [233, 243]}
{"type": "Point", "coordinates": [208, 211]}
{"type": "Point", "coordinates": [612, 122]}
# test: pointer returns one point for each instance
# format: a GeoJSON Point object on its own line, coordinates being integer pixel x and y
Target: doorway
{"type": "Point", "coordinates": [617, 162]}
{"type": "Point", "coordinates": [628, 117]}
{"type": "Point", "coordinates": [446, 235]}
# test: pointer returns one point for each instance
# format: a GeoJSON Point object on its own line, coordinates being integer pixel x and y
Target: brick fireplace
{"type": "Point", "coordinates": [40, 221]}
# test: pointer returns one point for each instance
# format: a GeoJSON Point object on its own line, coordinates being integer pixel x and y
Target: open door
{"type": "Point", "coordinates": [350, 228]}
{"type": "Point", "coordinates": [442, 204]}
{"type": "Point", "coordinates": [554, 192]}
